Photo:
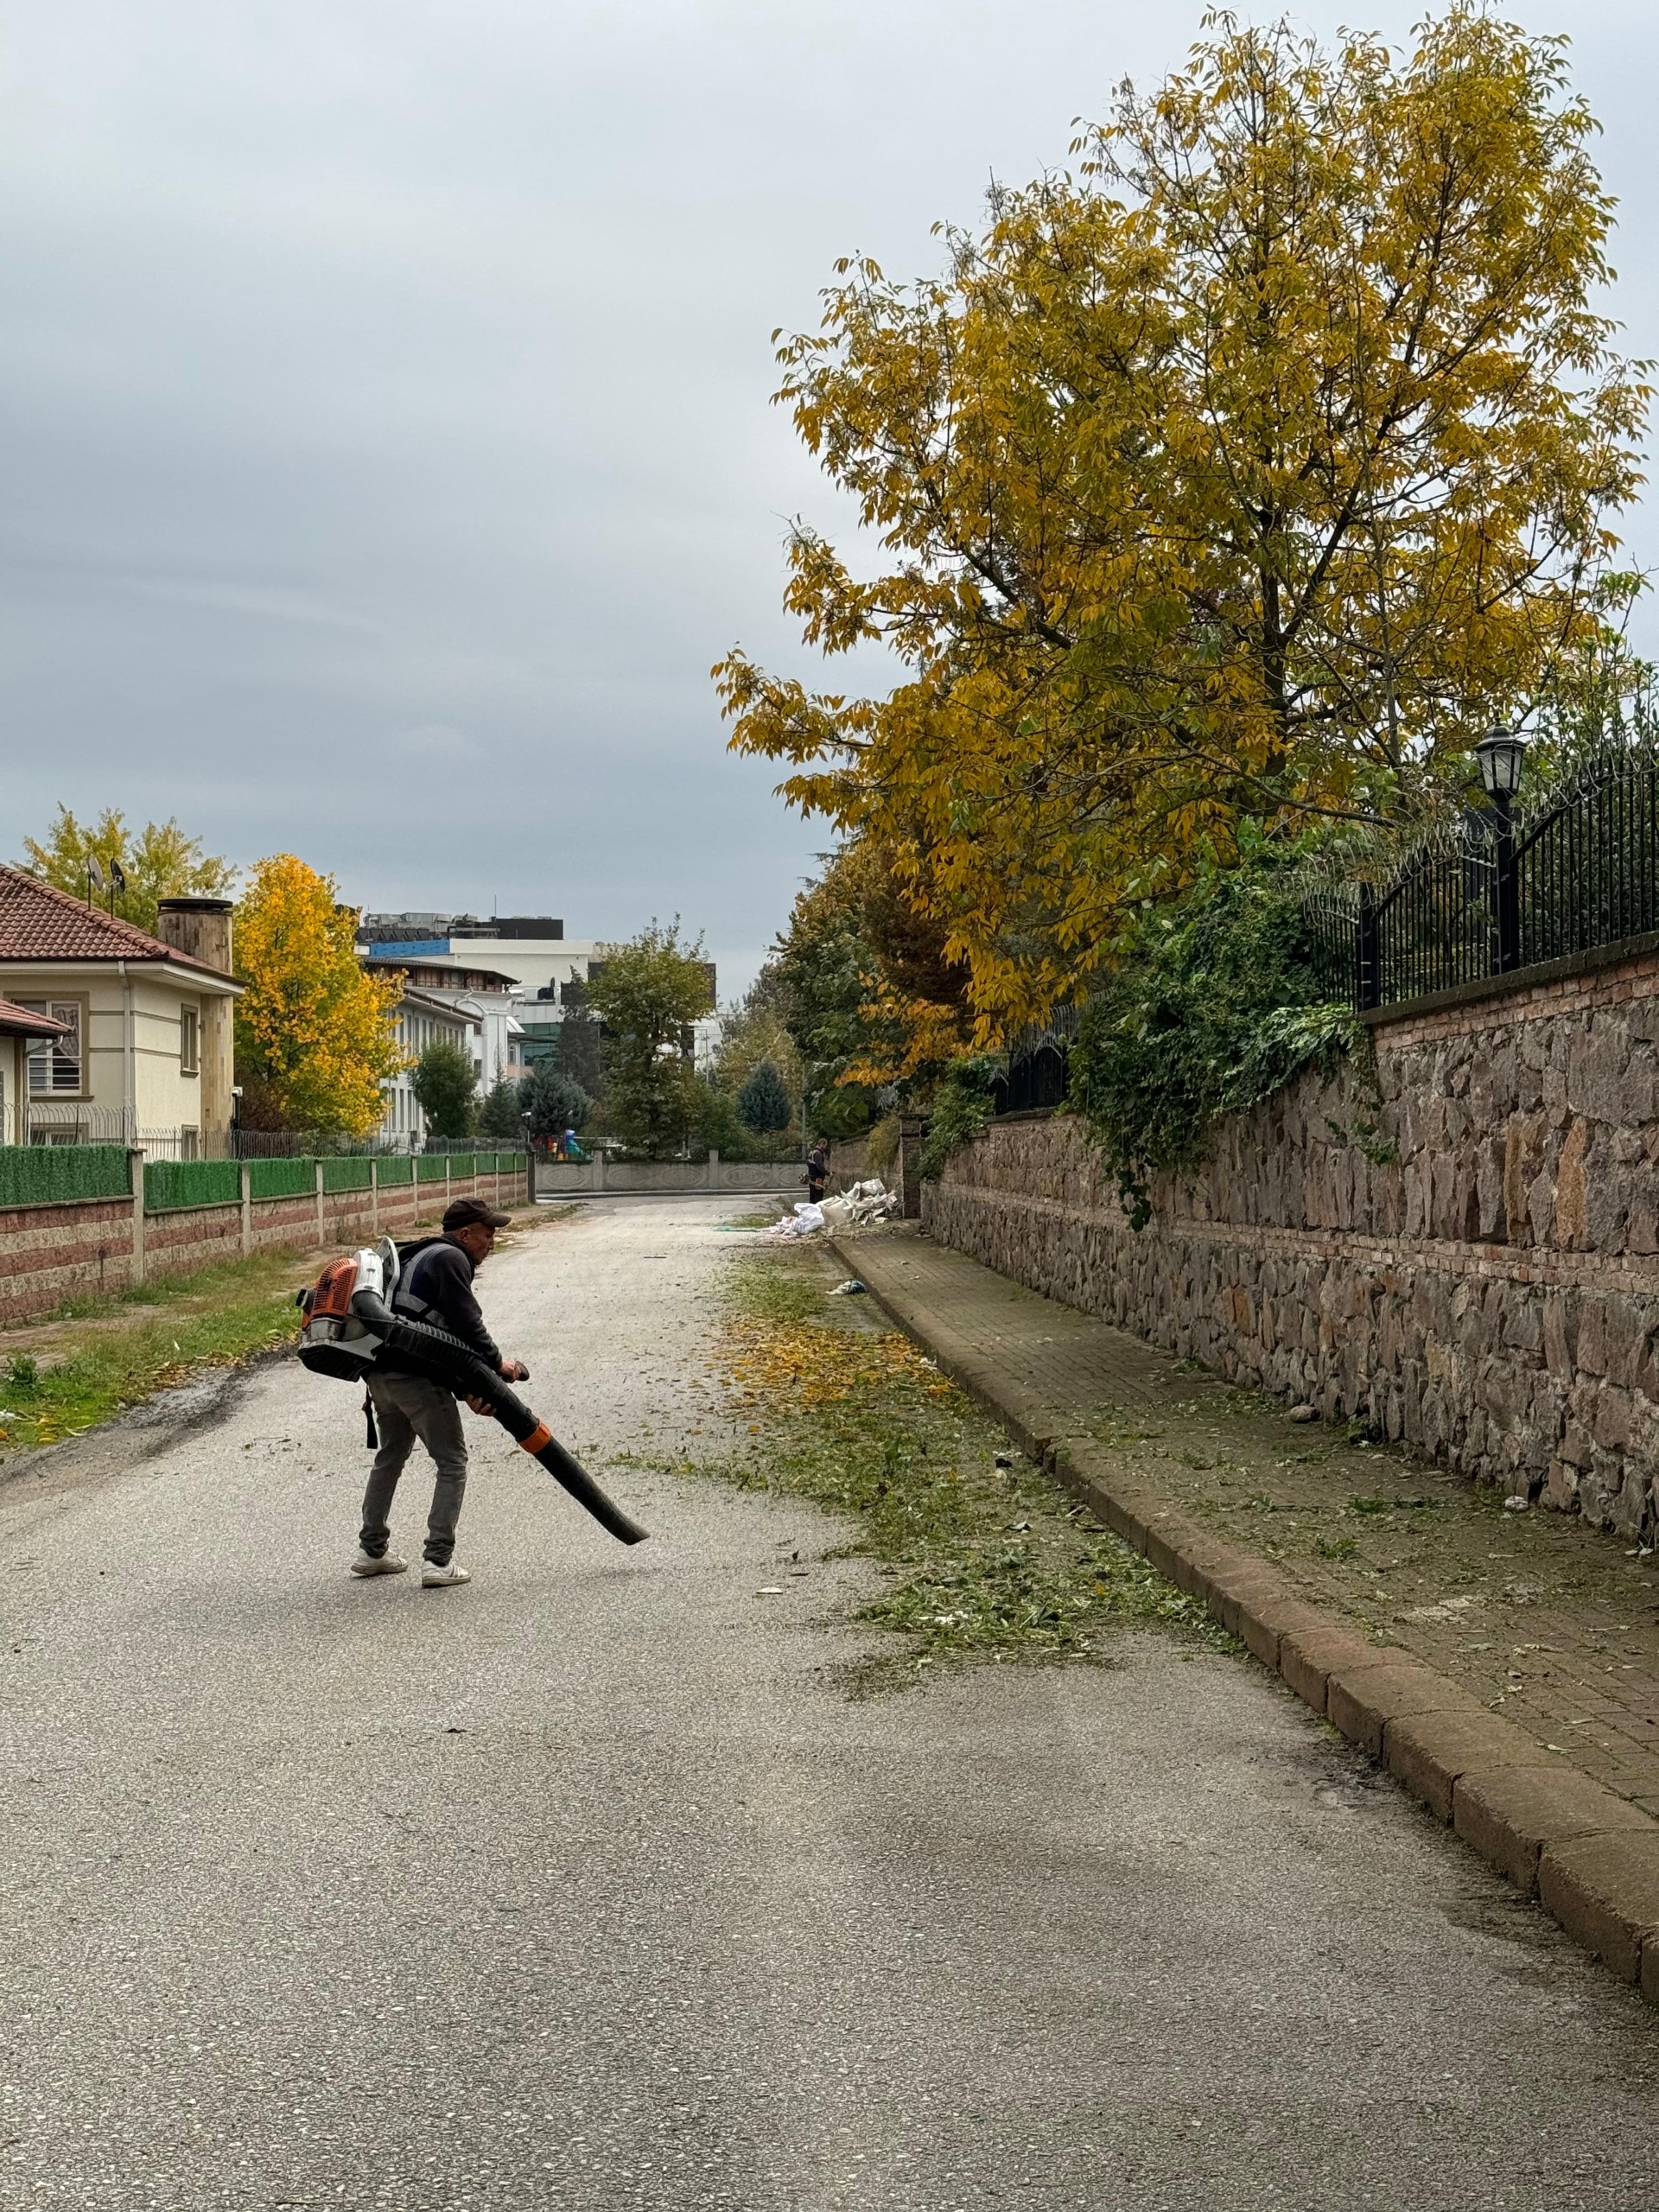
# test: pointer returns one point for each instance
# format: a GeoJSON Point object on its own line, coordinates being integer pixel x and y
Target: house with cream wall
{"type": "Point", "coordinates": [143, 1048]}
{"type": "Point", "coordinates": [20, 1029]}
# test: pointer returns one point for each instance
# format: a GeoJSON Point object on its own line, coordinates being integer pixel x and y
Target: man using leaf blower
{"type": "Point", "coordinates": [436, 1287]}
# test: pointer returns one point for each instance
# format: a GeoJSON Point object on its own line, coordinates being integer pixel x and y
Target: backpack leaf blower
{"type": "Point", "coordinates": [349, 1322]}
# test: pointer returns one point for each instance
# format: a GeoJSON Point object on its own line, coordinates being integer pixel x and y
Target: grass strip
{"type": "Point", "coordinates": [101, 1356]}
{"type": "Point", "coordinates": [982, 1560]}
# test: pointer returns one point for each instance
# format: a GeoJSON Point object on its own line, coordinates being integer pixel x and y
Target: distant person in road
{"type": "Point", "coordinates": [818, 1173]}
{"type": "Point", "coordinates": [436, 1287]}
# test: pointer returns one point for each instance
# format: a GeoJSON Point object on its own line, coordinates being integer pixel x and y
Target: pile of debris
{"type": "Point", "coordinates": [855, 1209]}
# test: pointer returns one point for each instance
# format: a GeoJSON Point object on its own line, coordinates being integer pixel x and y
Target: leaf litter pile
{"type": "Point", "coordinates": [981, 1560]}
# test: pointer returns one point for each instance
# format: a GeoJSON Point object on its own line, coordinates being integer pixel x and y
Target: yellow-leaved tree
{"type": "Point", "coordinates": [1245, 475]}
{"type": "Point", "coordinates": [315, 1035]}
{"type": "Point", "coordinates": [158, 862]}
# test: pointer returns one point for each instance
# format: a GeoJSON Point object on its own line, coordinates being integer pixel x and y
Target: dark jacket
{"type": "Point", "coordinates": [436, 1286]}
{"type": "Point", "coordinates": [817, 1165]}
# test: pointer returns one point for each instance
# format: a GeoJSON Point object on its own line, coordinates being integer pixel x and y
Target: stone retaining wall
{"type": "Point", "coordinates": [86, 1248]}
{"type": "Point", "coordinates": [1490, 1293]}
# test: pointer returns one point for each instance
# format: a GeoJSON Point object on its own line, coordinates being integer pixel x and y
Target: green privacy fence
{"type": "Point", "coordinates": [282, 1179]}
{"type": "Point", "coordinates": [42, 1174]}
{"type": "Point", "coordinates": [169, 1183]}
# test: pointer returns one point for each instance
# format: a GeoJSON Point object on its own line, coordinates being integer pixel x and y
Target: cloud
{"type": "Point", "coordinates": [391, 446]}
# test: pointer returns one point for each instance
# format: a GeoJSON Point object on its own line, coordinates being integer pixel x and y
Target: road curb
{"type": "Point", "coordinates": [1590, 1857]}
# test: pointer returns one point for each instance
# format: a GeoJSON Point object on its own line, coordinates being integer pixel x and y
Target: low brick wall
{"type": "Point", "coordinates": [85, 1248]}
{"type": "Point", "coordinates": [78, 1249]}
{"type": "Point", "coordinates": [1492, 1295]}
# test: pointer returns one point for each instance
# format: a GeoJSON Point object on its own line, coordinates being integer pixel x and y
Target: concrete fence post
{"type": "Point", "coordinates": [448, 1181]}
{"type": "Point", "coordinates": [599, 1170]}
{"type": "Point", "coordinates": [374, 1199]}
{"type": "Point", "coordinates": [714, 1168]}
{"type": "Point", "coordinates": [136, 1157]}
{"type": "Point", "coordinates": [322, 1225]}
{"type": "Point", "coordinates": [247, 1210]}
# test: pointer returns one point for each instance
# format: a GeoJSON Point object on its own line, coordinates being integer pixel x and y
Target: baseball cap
{"type": "Point", "coordinates": [464, 1213]}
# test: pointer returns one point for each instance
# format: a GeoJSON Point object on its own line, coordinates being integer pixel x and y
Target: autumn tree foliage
{"type": "Point", "coordinates": [445, 1085]}
{"type": "Point", "coordinates": [1247, 474]}
{"type": "Point", "coordinates": [873, 999]}
{"type": "Point", "coordinates": [648, 994]}
{"type": "Point", "coordinates": [315, 1035]}
{"type": "Point", "coordinates": [158, 862]}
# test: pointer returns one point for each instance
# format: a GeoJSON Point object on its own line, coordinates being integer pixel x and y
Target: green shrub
{"type": "Point", "coordinates": [1214, 1005]}
{"type": "Point", "coordinates": [962, 1106]}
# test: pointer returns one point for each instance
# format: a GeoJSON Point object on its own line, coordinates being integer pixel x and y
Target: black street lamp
{"type": "Point", "coordinates": [1500, 754]}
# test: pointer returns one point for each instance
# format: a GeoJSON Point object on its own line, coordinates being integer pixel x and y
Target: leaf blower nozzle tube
{"type": "Point", "coordinates": [459, 1367]}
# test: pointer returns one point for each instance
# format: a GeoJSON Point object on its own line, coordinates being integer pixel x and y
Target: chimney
{"type": "Point", "coordinates": [199, 927]}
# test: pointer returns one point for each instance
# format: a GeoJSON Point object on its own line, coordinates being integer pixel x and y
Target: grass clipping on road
{"type": "Point", "coordinates": [981, 1561]}
{"type": "Point", "coordinates": [98, 1357]}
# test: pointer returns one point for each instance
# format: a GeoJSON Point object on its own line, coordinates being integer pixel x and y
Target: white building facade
{"type": "Point", "coordinates": [421, 1020]}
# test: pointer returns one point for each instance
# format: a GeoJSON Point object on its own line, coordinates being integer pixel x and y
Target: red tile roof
{"type": "Point", "coordinates": [17, 1020]}
{"type": "Point", "coordinates": [39, 922]}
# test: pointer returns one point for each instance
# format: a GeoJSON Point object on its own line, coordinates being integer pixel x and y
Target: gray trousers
{"type": "Point", "coordinates": [407, 1407]}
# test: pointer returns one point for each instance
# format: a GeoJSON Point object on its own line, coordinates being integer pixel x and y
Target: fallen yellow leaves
{"type": "Point", "coordinates": [798, 1366]}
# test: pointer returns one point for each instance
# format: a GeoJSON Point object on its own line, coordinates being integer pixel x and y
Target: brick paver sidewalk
{"type": "Point", "coordinates": [1546, 1622]}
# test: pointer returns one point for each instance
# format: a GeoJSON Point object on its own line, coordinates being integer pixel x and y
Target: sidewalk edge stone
{"type": "Point", "coordinates": [1591, 1857]}
{"type": "Point", "coordinates": [1604, 1891]}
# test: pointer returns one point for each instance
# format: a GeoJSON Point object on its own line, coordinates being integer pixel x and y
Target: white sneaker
{"type": "Point", "coordinates": [434, 1576]}
{"type": "Point", "coordinates": [388, 1563]}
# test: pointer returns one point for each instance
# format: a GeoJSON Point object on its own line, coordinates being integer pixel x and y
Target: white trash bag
{"type": "Point", "coordinates": [806, 1220]}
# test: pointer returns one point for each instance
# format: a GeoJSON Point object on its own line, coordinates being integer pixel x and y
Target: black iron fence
{"type": "Point", "coordinates": [1499, 894]}
{"type": "Point", "coordinates": [1037, 1065]}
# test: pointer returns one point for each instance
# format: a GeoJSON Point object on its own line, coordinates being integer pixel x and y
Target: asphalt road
{"type": "Point", "coordinates": [586, 1886]}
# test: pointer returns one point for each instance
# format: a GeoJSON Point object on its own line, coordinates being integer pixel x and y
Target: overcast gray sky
{"type": "Point", "coordinates": [388, 453]}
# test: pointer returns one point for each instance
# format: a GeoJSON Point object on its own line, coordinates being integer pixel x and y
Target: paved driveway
{"type": "Point", "coordinates": [584, 1886]}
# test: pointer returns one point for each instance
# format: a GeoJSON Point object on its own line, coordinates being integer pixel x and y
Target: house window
{"type": "Point", "coordinates": [54, 1063]}
{"type": "Point", "coordinates": [189, 1042]}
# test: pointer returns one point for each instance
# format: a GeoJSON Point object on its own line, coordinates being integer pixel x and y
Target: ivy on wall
{"type": "Point", "coordinates": [1213, 1005]}
{"type": "Point", "coordinates": [962, 1105]}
